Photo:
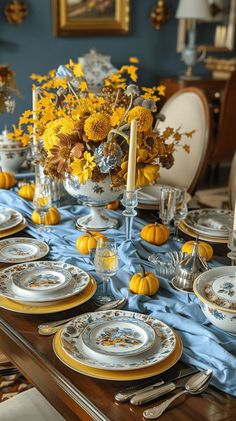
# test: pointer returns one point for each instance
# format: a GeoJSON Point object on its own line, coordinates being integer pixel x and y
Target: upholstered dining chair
{"type": "Point", "coordinates": [28, 406]}
{"type": "Point", "coordinates": [187, 109]}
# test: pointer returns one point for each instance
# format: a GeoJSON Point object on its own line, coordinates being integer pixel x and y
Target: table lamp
{"type": "Point", "coordinates": [193, 11]}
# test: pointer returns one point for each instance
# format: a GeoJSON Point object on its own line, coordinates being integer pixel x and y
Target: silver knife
{"type": "Point", "coordinates": [128, 393]}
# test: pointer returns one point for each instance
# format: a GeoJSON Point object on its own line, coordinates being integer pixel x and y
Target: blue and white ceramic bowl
{"type": "Point", "coordinates": [216, 291]}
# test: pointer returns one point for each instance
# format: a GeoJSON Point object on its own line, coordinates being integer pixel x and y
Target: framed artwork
{"type": "Point", "coordinates": [90, 17]}
{"type": "Point", "coordinates": [223, 23]}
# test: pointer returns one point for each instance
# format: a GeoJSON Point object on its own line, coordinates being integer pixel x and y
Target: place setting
{"type": "Point", "coordinates": [11, 222]}
{"type": "Point", "coordinates": [21, 249]}
{"type": "Point", "coordinates": [44, 287]}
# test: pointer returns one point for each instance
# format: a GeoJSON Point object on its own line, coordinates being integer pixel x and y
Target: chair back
{"type": "Point", "coordinates": [187, 109]}
{"type": "Point", "coordinates": [232, 183]}
{"type": "Point", "coordinates": [224, 146]}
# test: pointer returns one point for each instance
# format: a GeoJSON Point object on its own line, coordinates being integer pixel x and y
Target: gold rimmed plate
{"type": "Point", "coordinates": [56, 307]}
{"type": "Point", "coordinates": [14, 230]}
{"type": "Point", "coordinates": [12, 218]}
{"type": "Point", "coordinates": [127, 375]}
{"type": "Point", "coordinates": [186, 230]}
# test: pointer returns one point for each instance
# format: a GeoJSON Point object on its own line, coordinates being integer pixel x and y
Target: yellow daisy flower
{"type": "Point", "coordinates": [63, 125]}
{"type": "Point", "coordinates": [117, 116]}
{"type": "Point", "coordinates": [83, 167]}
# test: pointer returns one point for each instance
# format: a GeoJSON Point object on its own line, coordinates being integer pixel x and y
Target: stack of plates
{"type": "Point", "coordinates": [44, 287]}
{"type": "Point", "coordinates": [11, 222]}
{"type": "Point", "coordinates": [208, 224]}
{"type": "Point", "coordinates": [117, 345]}
{"type": "Point", "coordinates": [149, 197]}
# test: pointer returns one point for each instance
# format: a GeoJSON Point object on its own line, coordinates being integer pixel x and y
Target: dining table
{"type": "Point", "coordinates": [80, 397]}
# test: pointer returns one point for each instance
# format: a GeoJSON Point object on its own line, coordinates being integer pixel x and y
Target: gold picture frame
{"type": "Point", "coordinates": [224, 30]}
{"type": "Point", "coordinates": [90, 17]}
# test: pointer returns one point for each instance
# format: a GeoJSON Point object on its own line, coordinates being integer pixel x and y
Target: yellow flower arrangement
{"type": "Point", "coordinates": [87, 134]}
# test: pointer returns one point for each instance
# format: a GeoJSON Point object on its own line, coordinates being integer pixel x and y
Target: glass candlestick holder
{"type": "Point", "coordinates": [232, 246]}
{"type": "Point", "coordinates": [130, 202]}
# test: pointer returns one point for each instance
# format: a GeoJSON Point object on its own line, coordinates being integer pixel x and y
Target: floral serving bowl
{"type": "Point", "coordinates": [11, 159]}
{"type": "Point", "coordinates": [216, 291]}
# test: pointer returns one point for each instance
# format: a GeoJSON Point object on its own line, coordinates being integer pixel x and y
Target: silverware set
{"type": "Point", "coordinates": [196, 384]}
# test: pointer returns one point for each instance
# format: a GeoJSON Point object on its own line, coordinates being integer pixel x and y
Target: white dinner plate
{"type": "Point", "coordinates": [78, 282]}
{"type": "Point", "coordinates": [72, 343]}
{"type": "Point", "coordinates": [21, 249]}
{"type": "Point", "coordinates": [13, 218]}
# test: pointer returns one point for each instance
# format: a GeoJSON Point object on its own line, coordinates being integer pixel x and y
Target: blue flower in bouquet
{"type": "Point", "coordinates": [108, 156]}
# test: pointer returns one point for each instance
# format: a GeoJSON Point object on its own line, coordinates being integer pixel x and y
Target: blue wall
{"type": "Point", "coordinates": [32, 47]}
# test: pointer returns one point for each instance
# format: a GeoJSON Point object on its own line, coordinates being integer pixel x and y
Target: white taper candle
{"type": "Point", "coordinates": [131, 175]}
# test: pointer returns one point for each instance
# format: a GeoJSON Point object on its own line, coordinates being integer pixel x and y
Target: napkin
{"type": "Point", "coordinates": [205, 346]}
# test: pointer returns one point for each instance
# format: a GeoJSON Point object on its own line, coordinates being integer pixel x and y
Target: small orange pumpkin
{"type": "Point", "coordinates": [145, 283]}
{"type": "Point", "coordinates": [113, 205]}
{"type": "Point", "coordinates": [204, 249]}
{"type": "Point", "coordinates": [27, 191]}
{"type": "Point", "coordinates": [155, 233]}
{"type": "Point", "coordinates": [7, 180]}
{"type": "Point", "coordinates": [52, 217]}
{"type": "Point", "coordinates": [88, 241]}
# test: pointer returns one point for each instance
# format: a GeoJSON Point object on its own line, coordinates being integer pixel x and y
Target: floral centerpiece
{"type": "Point", "coordinates": [86, 135]}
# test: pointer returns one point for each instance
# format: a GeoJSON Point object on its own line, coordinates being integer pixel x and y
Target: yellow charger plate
{"type": "Point", "coordinates": [62, 305]}
{"type": "Point", "coordinates": [14, 230]}
{"type": "Point", "coordinates": [141, 373]}
{"type": "Point", "coordinates": [193, 234]}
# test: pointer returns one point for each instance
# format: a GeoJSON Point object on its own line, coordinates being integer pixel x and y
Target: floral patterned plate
{"type": "Point", "coordinates": [15, 218]}
{"type": "Point", "coordinates": [22, 249]}
{"type": "Point", "coordinates": [72, 344]}
{"type": "Point", "coordinates": [118, 337]}
{"type": "Point", "coordinates": [213, 222]}
{"type": "Point", "coordinates": [79, 280]}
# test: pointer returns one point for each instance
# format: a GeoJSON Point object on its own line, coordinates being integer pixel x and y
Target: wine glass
{"type": "Point", "coordinates": [180, 212]}
{"type": "Point", "coordinates": [42, 200]}
{"type": "Point", "coordinates": [167, 204]}
{"type": "Point", "coordinates": [106, 265]}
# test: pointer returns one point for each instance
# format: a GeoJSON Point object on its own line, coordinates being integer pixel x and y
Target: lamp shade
{"type": "Point", "coordinates": [193, 9]}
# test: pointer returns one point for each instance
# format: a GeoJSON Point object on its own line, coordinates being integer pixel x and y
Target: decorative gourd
{"type": "Point", "coordinates": [7, 180]}
{"type": "Point", "coordinates": [88, 241]}
{"type": "Point", "coordinates": [155, 233]}
{"type": "Point", "coordinates": [113, 205]}
{"type": "Point", "coordinates": [27, 191]}
{"type": "Point", "coordinates": [144, 283]}
{"type": "Point", "coordinates": [52, 217]}
{"type": "Point", "coordinates": [204, 249]}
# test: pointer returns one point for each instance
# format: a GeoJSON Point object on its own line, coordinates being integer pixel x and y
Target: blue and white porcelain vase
{"type": "Point", "coordinates": [94, 195]}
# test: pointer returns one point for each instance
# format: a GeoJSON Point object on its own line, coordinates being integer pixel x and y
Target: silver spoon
{"type": "Point", "coordinates": [52, 327]}
{"type": "Point", "coordinates": [196, 384]}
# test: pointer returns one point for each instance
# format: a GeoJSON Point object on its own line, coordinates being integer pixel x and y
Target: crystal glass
{"type": "Point", "coordinates": [42, 200]}
{"type": "Point", "coordinates": [106, 265]}
{"type": "Point", "coordinates": [232, 246]}
{"type": "Point", "coordinates": [167, 204]}
{"type": "Point", "coordinates": [181, 210]}
{"type": "Point", "coordinates": [130, 202]}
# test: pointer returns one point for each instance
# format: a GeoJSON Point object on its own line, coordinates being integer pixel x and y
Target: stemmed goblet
{"type": "Point", "coordinates": [106, 265]}
{"type": "Point", "coordinates": [180, 212]}
{"type": "Point", "coordinates": [43, 200]}
{"type": "Point", "coordinates": [167, 204]}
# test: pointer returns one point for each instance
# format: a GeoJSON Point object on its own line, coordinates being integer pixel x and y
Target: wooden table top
{"type": "Point", "coordinates": [79, 397]}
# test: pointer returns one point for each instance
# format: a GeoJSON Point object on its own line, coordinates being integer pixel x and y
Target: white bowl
{"type": "Point", "coordinates": [11, 159]}
{"type": "Point", "coordinates": [216, 291]}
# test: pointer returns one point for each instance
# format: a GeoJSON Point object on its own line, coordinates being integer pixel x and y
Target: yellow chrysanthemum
{"type": "Point", "coordinates": [63, 125]}
{"type": "Point", "coordinates": [83, 167]}
{"type": "Point", "coordinates": [97, 127]}
{"type": "Point", "coordinates": [145, 174]}
{"type": "Point", "coordinates": [143, 116]}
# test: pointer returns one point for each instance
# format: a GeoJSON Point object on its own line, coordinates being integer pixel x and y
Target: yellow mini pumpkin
{"type": "Point", "coordinates": [155, 233]}
{"type": "Point", "coordinates": [52, 217]}
{"type": "Point", "coordinates": [27, 191]}
{"type": "Point", "coordinates": [88, 241]}
{"type": "Point", "coordinates": [145, 283]}
{"type": "Point", "coordinates": [204, 249]}
{"type": "Point", "coordinates": [7, 180]}
{"type": "Point", "coordinates": [113, 205]}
